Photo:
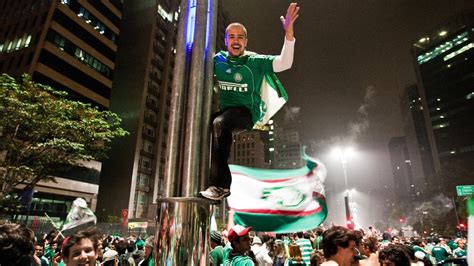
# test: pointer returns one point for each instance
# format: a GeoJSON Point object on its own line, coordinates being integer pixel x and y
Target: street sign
{"type": "Point", "coordinates": [466, 190]}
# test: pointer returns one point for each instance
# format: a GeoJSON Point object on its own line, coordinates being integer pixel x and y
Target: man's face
{"type": "Point", "coordinates": [82, 254]}
{"type": "Point", "coordinates": [38, 250]}
{"type": "Point", "coordinates": [348, 253]}
{"type": "Point", "coordinates": [243, 245]}
{"type": "Point", "coordinates": [236, 41]}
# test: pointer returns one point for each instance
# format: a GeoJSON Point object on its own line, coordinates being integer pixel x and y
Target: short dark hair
{"type": "Point", "coordinates": [371, 243]}
{"type": "Point", "coordinates": [395, 253]}
{"type": "Point", "coordinates": [236, 24]}
{"type": "Point", "coordinates": [121, 247]}
{"type": "Point", "coordinates": [17, 244]}
{"type": "Point", "coordinates": [89, 233]}
{"type": "Point", "coordinates": [336, 236]}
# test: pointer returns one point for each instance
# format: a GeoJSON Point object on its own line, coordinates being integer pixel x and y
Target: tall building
{"type": "Point", "coordinates": [445, 72]}
{"type": "Point", "coordinates": [416, 136]}
{"type": "Point", "coordinates": [250, 149]}
{"type": "Point", "coordinates": [71, 46]}
{"type": "Point", "coordinates": [131, 177]}
{"type": "Point", "coordinates": [402, 169]}
{"type": "Point", "coordinates": [287, 147]}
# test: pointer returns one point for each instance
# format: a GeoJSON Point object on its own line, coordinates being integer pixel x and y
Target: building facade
{"type": "Point", "coordinates": [70, 45]}
{"type": "Point", "coordinates": [402, 169]}
{"type": "Point", "coordinates": [445, 72]}
{"type": "Point", "coordinates": [416, 137]}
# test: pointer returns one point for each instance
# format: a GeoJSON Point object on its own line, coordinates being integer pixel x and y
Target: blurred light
{"type": "Point", "coordinates": [443, 33]}
{"type": "Point", "coordinates": [424, 39]}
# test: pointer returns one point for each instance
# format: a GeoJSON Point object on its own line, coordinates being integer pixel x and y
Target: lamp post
{"type": "Point", "coordinates": [343, 153]}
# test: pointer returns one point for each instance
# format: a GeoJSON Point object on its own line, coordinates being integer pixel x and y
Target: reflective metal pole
{"type": "Point", "coordinates": [172, 164]}
{"type": "Point", "coordinates": [193, 133]}
{"type": "Point", "coordinates": [183, 220]}
{"type": "Point", "coordinates": [207, 96]}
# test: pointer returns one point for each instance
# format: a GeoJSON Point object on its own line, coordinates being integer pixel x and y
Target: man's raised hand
{"type": "Point", "coordinates": [289, 20]}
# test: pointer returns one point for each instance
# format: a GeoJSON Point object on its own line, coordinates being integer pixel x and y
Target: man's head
{"type": "Point", "coordinates": [81, 248]}
{"type": "Point", "coordinates": [236, 39]}
{"type": "Point", "coordinates": [394, 255]}
{"type": "Point", "coordinates": [239, 238]}
{"type": "Point", "coordinates": [17, 243]}
{"type": "Point", "coordinates": [39, 249]}
{"type": "Point", "coordinates": [339, 241]}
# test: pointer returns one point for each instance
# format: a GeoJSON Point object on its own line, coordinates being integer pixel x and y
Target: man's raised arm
{"type": "Point", "coordinates": [285, 59]}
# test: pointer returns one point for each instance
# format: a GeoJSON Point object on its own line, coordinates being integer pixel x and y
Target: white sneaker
{"type": "Point", "coordinates": [215, 193]}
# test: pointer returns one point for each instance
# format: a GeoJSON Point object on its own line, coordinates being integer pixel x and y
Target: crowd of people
{"type": "Point", "coordinates": [20, 247]}
{"type": "Point", "coordinates": [334, 246]}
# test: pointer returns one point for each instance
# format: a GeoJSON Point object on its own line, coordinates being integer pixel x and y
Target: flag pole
{"type": "Point", "coordinates": [54, 225]}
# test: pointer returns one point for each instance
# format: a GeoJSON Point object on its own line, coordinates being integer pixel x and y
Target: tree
{"type": "Point", "coordinates": [42, 132]}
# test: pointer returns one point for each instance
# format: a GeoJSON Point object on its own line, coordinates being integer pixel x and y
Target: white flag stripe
{"type": "Point", "coordinates": [294, 194]}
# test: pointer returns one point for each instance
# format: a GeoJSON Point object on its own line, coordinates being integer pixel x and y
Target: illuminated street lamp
{"type": "Point", "coordinates": [343, 154]}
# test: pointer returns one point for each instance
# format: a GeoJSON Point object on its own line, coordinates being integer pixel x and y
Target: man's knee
{"type": "Point", "coordinates": [217, 126]}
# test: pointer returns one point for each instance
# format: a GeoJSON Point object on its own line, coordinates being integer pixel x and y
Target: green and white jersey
{"type": "Point", "coordinates": [240, 81]}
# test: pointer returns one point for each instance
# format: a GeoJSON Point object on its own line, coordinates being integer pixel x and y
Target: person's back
{"type": "Point", "coordinates": [306, 249]}
{"type": "Point", "coordinates": [439, 253]}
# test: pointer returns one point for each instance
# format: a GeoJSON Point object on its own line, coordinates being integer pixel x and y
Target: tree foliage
{"type": "Point", "coordinates": [41, 132]}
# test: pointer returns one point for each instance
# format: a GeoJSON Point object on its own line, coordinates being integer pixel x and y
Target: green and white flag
{"type": "Point", "coordinates": [79, 214]}
{"type": "Point", "coordinates": [279, 201]}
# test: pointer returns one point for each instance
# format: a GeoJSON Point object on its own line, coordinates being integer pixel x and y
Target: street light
{"type": "Point", "coordinates": [343, 153]}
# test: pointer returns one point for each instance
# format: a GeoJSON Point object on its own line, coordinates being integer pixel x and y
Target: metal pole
{"type": "Point", "coordinates": [183, 220]}
{"type": "Point", "coordinates": [192, 137]}
{"type": "Point", "coordinates": [172, 163]}
{"type": "Point", "coordinates": [208, 95]}
{"type": "Point", "coordinates": [349, 221]}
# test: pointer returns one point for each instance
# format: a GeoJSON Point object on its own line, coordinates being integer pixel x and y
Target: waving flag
{"type": "Point", "coordinates": [79, 214]}
{"type": "Point", "coordinates": [279, 201]}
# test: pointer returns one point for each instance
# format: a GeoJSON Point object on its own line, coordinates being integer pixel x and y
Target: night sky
{"type": "Point", "coordinates": [345, 49]}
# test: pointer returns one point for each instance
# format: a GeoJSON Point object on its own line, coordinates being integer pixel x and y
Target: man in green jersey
{"type": "Point", "coordinates": [238, 253]}
{"type": "Point", "coordinates": [242, 78]}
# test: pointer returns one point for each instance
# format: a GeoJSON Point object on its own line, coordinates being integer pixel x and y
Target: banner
{"type": "Point", "coordinates": [280, 201]}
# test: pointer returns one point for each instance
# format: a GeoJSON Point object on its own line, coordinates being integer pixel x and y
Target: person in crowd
{"type": "Point", "coordinates": [216, 256]}
{"type": "Point", "coordinates": [370, 247]}
{"type": "Point", "coordinates": [279, 253]}
{"type": "Point", "coordinates": [111, 258]}
{"type": "Point", "coordinates": [295, 257]}
{"type": "Point", "coordinates": [139, 254]}
{"type": "Point", "coordinates": [319, 238]}
{"type": "Point", "coordinates": [148, 254]}
{"type": "Point", "coordinates": [240, 75]}
{"type": "Point", "coordinates": [339, 246]}
{"type": "Point", "coordinates": [261, 252]}
{"type": "Point", "coordinates": [39, 253]}
{"type": "Point", "coordinates": [394, 255]}
{"type": "Point", "coordinates": [460, 251]}
{"type": "Point", "coordinates": [79, 249]}
{"type": "Point", "coordinates": [439, 251]}
{"type": "Point", "coordinates": [130, 250]}
{"type": "Point", "coordinates": [17, 245]}
{"type": "Point", "coordinates": [305, 246]}
{"type": "Point", "coordinates": [239, 253]}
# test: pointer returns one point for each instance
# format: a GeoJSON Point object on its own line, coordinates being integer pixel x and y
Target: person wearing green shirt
{"type": "Point", "coordinates": [238, 253]}
{"type": "Point", "coordinates": [242, 78]}
{"type": "Point", "coordinates": [439, 252]}
{"type": "Point", "coordinates": [216, 255]}
{"type": "Point", "coordinates": [460, 251]}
